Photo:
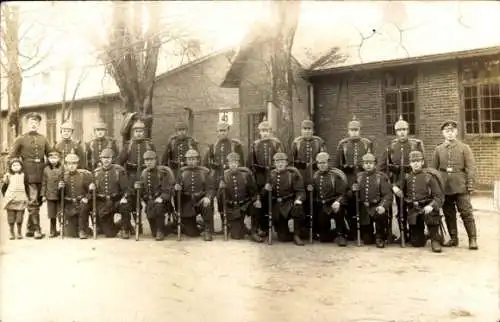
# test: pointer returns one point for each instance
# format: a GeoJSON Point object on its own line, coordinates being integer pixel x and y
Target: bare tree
{"type": "Point", "coordinates": [286, 15]}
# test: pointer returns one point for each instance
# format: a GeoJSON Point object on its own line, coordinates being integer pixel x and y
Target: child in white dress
{"type": "Point", "coordinates": [15, 196]}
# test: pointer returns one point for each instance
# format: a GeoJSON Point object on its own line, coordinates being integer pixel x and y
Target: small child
{"type": "Point", "coordinates": [15, 192]}
{"type": "Point", "coordinates": [52, 174]}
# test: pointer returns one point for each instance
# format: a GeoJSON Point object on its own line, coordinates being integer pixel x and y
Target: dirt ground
{"type": "Point", "coordinates": [119, 280]}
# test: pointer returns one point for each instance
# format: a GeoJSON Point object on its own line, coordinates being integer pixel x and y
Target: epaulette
{"type": "Point", "coordinates": [182, 169]}
{"type": "Point", "coordinates": [382, 174]}
{"type": "Point", "coordinates": [293, 169]}
{"type": "Point", "coordinates": [297, 139]}
{"type": "Point", "coordinates": [343, 141]}
{"type": "Point", "coordinates": [339, 173]}
{"type": "Point", "coordinates": [78, 142]}
{"type": "Point", "coordinates": [320, 139]}
{"type": "Point", "coordinates": [203, 168]}
{"type": "Point", "coordinates": [165, 169]}
{"type": "Point", "coordinates": [245, 169]}
{"type": "Point", "coordinates": [119, 167]}
{"type": "Point", "coordinates": [366, 140]}
{"type": "Point", "coordinates": [84, 171]}
{"type": "Point", "coordinates": [236, 141]}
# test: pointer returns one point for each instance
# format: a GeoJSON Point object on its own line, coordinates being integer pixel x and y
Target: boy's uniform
{"type": "Point", "coordinates": [52, 174]}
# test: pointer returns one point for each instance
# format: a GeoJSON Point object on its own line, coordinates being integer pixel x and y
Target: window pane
{"type": "Point", "coordinates": [495, 89]}
{"type": "Point", "coordinates": [486, 127]}
{"type": "Point", "coordinates": [495, 114]}
{"type": "Point", "coordinates": [496, 127]}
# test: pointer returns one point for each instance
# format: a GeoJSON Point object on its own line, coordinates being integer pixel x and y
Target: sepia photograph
{"type": "Point", "coordinates": [253, 161]}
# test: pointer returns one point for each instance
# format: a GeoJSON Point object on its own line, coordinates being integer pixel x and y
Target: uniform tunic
{"type": "Point", "coordinates": [177, 146]}
{"type": "Point", "coordinates": [216, 156]}
{"type": "Point", "coordinates": [374, 190]}
{"type": "Point", "coordinates": [304, 151]}
{"type": "Point", "coordinates": [329, 187]}
{"type": "Point", "coordinates": [94, 148]}
{"type": "Point", "coordinates": [51, 177]}
{"type": "Point", "coordinates": [158, 182]}
{"type": "Point", "coordinates": [76, 187]}
{"type": "Point", "coordinates": [288, 186]}
{"type": "Point", "coordinates": [349, 156]}
{"type": "Point", "coordinates": [240, 192]}
{"type": "Point", "coordinates": [132, 156]}
{"type": "Point", "coordinates": [260, 158]}
{"type": "Point", "coordinates": [32, 148]}
{"type": "Point", "coordinates": [67, 146]}
{"type": "Point", "coordinates": [111, 185]}
{"type": "Point", "coordinates": [196, 182]}
{"type": "Point", "coordinates": [397, 154]}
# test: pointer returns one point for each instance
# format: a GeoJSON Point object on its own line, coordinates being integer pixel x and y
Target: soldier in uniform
{"type": "Point", "coordinates": [52, 174]}
{"type": "Point", "coordinates": [111, 189]}
{"type": "Point", "coordinates": [304, 151]}
{"type": "Point", "coordinates": [132, 159]}
{"type": "Point", "coordinates": [177, 146]}
{"type": "Point", "coordinates": [424, 197]}
{"type": "Point", "coordinates": [216, 156]}
{"type": "Point", "coordinates": [329, 186]}
{"type": "Point", "coordinates": [288, 194]}
{"type": "Point", "coordinates": [195, 184]}
{"type": "Point", "coordinates": [67, 145]}
{"type": "Point", "coordinates": [455, 161]}
{"type": "Point", "coordinates": [32, 148]}
{"type": "Point", "coordinates": [349, 153]}
{"type": "Point", "coordinates": [395, 163]}
{"type": "Point", "coordinates": [157, 193]}
{"type": "Point", "coordinates": [375, 197]}
{"type": "Point", "coordinates": [94, 147]}
{"type": "Point", "coordinates": [260, 163]}
{"type": "Point", "coordinates": [241, 198]}
{"type": "Point", "coordinates": [76, 209]}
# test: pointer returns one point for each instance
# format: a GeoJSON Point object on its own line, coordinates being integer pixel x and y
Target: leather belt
{"type": "Point", "coordinates": [237, 203]}
{"type": "Point", "coordinates": [451, 170]}
{"type": "Point", "coordinates": [36, 160]}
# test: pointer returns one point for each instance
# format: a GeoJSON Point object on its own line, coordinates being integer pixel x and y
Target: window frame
{"type": "Point", "coordinates": [477, 82]}
{"type": "Point", "coordinates": [398, 89]}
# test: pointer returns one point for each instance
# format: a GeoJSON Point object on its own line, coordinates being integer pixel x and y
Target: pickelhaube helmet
{"type": "Point", "coordinates": [100, 126]}
{"type": "Point", "coordinates": [401, 124]}
{"type": "Point", "coordinates": [416, 155]}
{"type": "Point", "coordinates": [264, 125]}
{"type": "Point", "coordinates": [368, 157]}
{"type": "Point", "coordinates": [280, 156]}
{"type": "Point", "coordinates": [180, 125]}
{"type": "Point", "coordinates": [233, 156]}
{"type": "Point", "coordinates": [322, 157]}
{"type": "Point", "coordinates": [67, 126]}
{"type": "Point", "coordinates": [307, 124]}
{"type": "Point", "coordinates": [138, 125]}
{"type": "Point", "coordinates": [107, 153]}
{"type": "Point", "coordinates": [72, 158]}
{"type": "Point", "coordinates": [150, 154]}
{"type": "Point", "coordinates": [354, 124]}
{"type": "Point", "coordinates": [222, 126]}
{"type": "Point", "coordinates": [191, 153]}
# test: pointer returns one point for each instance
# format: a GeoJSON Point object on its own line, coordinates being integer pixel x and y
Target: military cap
{"type": "Point", "coordinates": [448, 123]}
{"type": "Point", "coordinates": [222, 126]}
{"type": "Point", "coordinates": [416, 155]}
{"type": "Point", "coordinates": [280, 156]}
{"type": "Point", "coordinates": [192, 154]}
{"type": "Point", "coordinates": [100, 126]}
{"type": "Point", "coordinates": [67, 126]}
{"type": "Point", "coordinates": [34, 115]}
{"type": "Point", "coordinates": [233, 156]}
{"type": "Point", "coordinates": [307, 124]}
{"type": "Point", "coordinates": [264, 125]}
{"type": "Point", "coordinates": [401, 124]}
{"type": "Point", "coordinates": [181, 125]}
{"type": "Point", "coordinates": [150, 154]}
{"type": "Point", "coordinates": [322, 157]}
{"type": "Point", "coordinates": [54, 152]}
{"type": "Point", "coordinates": [107, 153]}
{"type": "Point", "coordinates": [72, 158]}
{"type": "Point", "coordinates": [354, 124]}
{"type": "Point", "coordinates": [138, 125]}
{"type": "Point", "coordinates": [368, 157]}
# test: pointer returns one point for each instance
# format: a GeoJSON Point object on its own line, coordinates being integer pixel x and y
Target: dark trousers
{"type": "Point", "coordinates": [350, 216]}
{"type": "Point", "coordinates": [417, 232]}
{"type": "Point", "coordinates": [34, 201]}
{"type": "Point", "coordinates": [53, 207]}
{"type": "Point", "coordinates": [283, 231]}
{"type": "Point", "coordinates": [76, 218]}
{"type": "Point", "coordinates": [325, 215]}
{"type": "Point", "coordinates": [15, 217]}
{"type": "Point", "coordinates": [189, 225]}
{"type": "Point", "coordinates": [156, 215]}
{"type": "Point", "coordinates": [463, 204]}
{"type": "Point", "coordinates": [377, 229]}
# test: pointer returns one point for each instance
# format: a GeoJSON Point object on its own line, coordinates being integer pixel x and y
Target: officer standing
{"type": "Point", "coordinates": [111, 188]}
{"type": "Point", "coordinates": [260, 163]}
{"type": "Point", "coordinates": [67, 145]}
{"type": "Point", "coordinates": [157, 193]}
{"type": "Point", "coordinates": [76, 208]}
{"type": "Point", "coordinates": [330, 186]}
{"type": "Point", "coordinates": [455, 161]}
{"type": "Point", "coordinates": [375, 197]}
{"type": "Point", "coordinates": [177, 146]}
{"type": "Point", "coordinates": [132, 159]}
{"type": "Point", "coordinates": [195, 184]}
{"type": "Point", "coordinates": [32, 148]}
{"type": "Point", "coordinates": [242, 198]}
{"type": "Point", "coordinates": [349, 153]}
{"type": "Point", "coordinates": [396, 164]}
{"type": "Point", "coordinates": [94, 147]}
{"type": "Point", "coordinates": [304, 150]}
{"type": "Point", "coordinates": [288, 196]}
{"type": "Point", "coordinates": [424, 197]}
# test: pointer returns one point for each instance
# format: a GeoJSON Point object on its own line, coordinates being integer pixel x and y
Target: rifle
{"type": "Point", "coordinates": [94, 202]}
{"type": "Point", "coordinates": [310, 188]}
{"type": "Point", "coordinates": [389, 237]}
{"type": "Point", "coordinates": [402, 229]}
{"type": "Point", "coordinates": [224, 214]}
{"type": "Point", "coordinates": [178, 214]}
{"type": "Point", "coordinates": [138, 195]}
{"type": "Point", "coordinates": [62, 219]}
{"type": "Point", "coordinates": [269, 205]}
{"type": "Point", "coordinates": [356, 196]}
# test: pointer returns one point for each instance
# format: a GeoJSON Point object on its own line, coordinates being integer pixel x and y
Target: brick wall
{"type": "Point", "coordinates": [438, 99]}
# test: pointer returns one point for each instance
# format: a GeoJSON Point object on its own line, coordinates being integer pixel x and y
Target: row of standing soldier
{"type": "Point", "coordinates": [453, 159]}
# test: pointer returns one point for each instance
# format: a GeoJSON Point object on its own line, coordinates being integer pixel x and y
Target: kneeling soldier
{"type": "Point", "coordinates": [158, 183]}
{"type": "Point", "coordinates": [76, 207]}
{"type": "Point", "coordinates": [110, 185]}
{"type": "Point", "coordinates": [195, 184]}
{"type": "Point", "coordinates": [330, 186]}
{"type": "Point", "coordinates": [241, 196]}
{"type": "Point", "coordinates": [424, 197]}
{"type": "Point", "coordinates": [375, 198]}
{"type": "Point", "coordinates": [288, 194]}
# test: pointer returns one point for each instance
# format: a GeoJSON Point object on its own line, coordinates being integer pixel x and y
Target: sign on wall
{"type": "Point", "coordinates": [226, 117]}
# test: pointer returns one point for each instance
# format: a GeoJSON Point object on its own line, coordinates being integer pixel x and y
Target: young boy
{"type": "Point", "coordinates": [52, 174]}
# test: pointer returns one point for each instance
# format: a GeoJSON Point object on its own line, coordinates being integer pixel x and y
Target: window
{"type": "Point", "coordinates": [51, 126]}
{"type": "Point", "coordinates": [400, 100]}
{"type": "Point", "coordinates": [77, 115]}
{"type": "Point", "coordinates": [106, 113]}
{"type": "Point", "coordinates": [481, 95]}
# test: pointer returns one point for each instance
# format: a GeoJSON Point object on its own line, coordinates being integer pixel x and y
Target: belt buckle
{"type": "Point", "coordinates": [449, 169]}
{"type": "Point", "coordinates": [367, 204]}
{"type": "Point", "coordinates": [279, 199]}
{"type": "Point", "coordinates": [37, 160]}
{"type": "Point", "coordinates": [415, 204]}
{"type": "Point", "coordinates": [323, 201]}
{"type": "Point", "coordinates": [73, 200]}
{"type": "Point", "coordinates": [108, 197]}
